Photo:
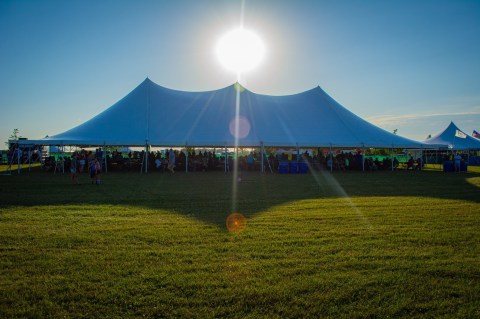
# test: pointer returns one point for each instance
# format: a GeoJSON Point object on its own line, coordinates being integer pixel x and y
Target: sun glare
{"type": "Point", "coordinates": [240, 50]}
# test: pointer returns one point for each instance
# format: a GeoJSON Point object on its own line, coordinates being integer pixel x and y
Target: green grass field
{"type": "Point", "coordinates": [343, 245]}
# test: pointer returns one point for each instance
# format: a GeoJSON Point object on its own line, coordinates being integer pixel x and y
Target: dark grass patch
{"type": "Point", "coordinates": [403, 244]}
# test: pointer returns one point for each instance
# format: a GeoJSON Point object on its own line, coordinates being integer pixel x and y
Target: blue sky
{"type": "Point", "coordinates": [407, 65]}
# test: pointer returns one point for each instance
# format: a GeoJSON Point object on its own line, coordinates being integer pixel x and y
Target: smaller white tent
{"type": "Point", "coordinates": [455, 139]}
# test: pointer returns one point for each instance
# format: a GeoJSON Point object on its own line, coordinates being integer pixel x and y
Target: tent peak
{"type": "Point", "coordinates": [238, 87]}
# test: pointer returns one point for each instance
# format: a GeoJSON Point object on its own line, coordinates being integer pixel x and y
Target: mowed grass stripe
{"type": "Point", "coordinates": [157, 246]}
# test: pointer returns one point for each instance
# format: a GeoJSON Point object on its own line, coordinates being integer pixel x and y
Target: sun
{"type": "Point", "coordinates": [240, 50]}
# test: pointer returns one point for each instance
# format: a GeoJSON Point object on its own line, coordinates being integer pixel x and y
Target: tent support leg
{"type": "Point", "coordinates": [298, 158]}
{"type": "Point", "coordinates": [146, 158]}
{"type": "Point", "coordinates": [363, 158]}
{"type": "Point", "coordinates": [226, 158]}
{"type": "Point", "coordinates": [18, 157]}
{"type": "Point", "coordinates": [391, 157]}
{"type": "Point", "coordinates": [186, 158]}
{"type": "Point", "coordinates": [263, 151]}
{"type": "Point", "coordinates": [62, 149]}
{"type": "Point", "coordinates": [421, 159]}
{"type": "Point", "coordinates": [29, 158]}
{"type": "Point", "coordinates": [331, 158]}
{"type": "Point", "coordinates": [105, 156]}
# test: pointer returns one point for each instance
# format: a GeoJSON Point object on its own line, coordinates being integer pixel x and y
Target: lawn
{"type": "Point", "coordinates": [343, 245]}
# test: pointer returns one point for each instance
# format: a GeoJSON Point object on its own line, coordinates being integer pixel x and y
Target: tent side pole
{"type": "Point", "coordinates": [391, 157]}
{"type": "Point", "coordinates": [41, 155]}
{"type": "Point", "coordinates": [18, 157]}
{"type": "Point", "coordinates": [146, 158]}
{"type": "Point", "coordinates": [63, 162]}
{"type": "Point", "coordinates": [421, 159]}
{"type": "Point", "coordinates": [55, 168]}
{"type": "Point", "coordinates": [262, 150]}
{"type": "Point", "coordinates": [105, 156]}
{"type": "Point", "coordinates": [363, 158]}
{"type": "Point", "coordinates": [226, 158]}
{"type": "Point", "coordinates": [186, 158]}
{"type": "Point", "coordinates": [235, 164]}
{"type": "Point", "coordinates": [29, 158]}
{"type": "Point", "coordinates": [298, 158]}
{"type": "Point", "coordinates": [331, 158]}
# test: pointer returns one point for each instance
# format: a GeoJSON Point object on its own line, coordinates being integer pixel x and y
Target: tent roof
{"type": "Point", "coordinates": [449, 139]}
{"type": "Point", "coordinates": [158, 116]}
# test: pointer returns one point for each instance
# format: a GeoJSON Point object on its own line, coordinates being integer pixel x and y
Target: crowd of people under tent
{"type": "Point", "coordinates": [208, 160]}
{"type": "Point", "coordinates": [211, 161]}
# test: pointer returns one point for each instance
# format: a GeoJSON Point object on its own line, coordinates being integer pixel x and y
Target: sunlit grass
{"type": "Point", "coordinates": [402, 244]}
{"type": "Point", "coordinates": [5, 168]}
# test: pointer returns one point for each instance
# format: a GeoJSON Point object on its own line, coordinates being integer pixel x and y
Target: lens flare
{"type": "Point", "coordinates": [239, 127]}
{"type": "Point", "coordinates": [236, 223]}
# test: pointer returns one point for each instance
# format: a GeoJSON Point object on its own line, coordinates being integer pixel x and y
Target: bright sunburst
{"type": "Point", "coordinates": [240, 50]}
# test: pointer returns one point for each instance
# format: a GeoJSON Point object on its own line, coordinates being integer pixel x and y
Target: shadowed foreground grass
{"type": "Point", "coordinates": [403, 244]}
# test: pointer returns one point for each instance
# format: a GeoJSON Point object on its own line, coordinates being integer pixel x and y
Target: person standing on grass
{"type": "Point", "coordinates": [457, 159]}
{"type": "Point", "coordinates": [171, 161]}
{"type": "Point", "coordinates": [73, 170]}
{"type": "Point", "coordinates": [81, 163]}
{"type": "Point", "coordinates": [92, 169]}
{"type": "Point", "coordinates": [98, 170]}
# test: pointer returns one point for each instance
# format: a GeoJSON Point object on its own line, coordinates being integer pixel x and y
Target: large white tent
{"type": "Point", "coordinates": [232, 116]}
{"type": "Point", "coordinates": [455, 139]}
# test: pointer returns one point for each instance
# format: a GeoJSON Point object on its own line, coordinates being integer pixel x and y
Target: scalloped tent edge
{"type": "Point", "coordinates": [229, 117]}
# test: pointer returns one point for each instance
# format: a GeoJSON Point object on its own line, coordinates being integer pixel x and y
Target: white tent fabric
{"type": "Point", "coordinates": [158, 116]}
{"type": "Point", "coordinates": [455, 139]}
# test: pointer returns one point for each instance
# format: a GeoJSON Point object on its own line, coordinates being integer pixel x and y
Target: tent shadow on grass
{"type": "Point", "coordinates": [209, 197]}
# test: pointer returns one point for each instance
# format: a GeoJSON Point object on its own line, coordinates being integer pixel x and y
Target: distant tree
{"type": "Point", "coordinates": [395, 131]}
{"type": "Point", "coordinates": [383, 152]}
{"type": "Point", "coordinates": [14, 136]}
{"type": "Point", "coordinates": [429, 136]}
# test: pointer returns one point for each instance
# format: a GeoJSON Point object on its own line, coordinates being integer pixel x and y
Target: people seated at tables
{"type": "Point", "coordinates": [410, 163]}
{"type": "Point", "coordinates": [395, 163]}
